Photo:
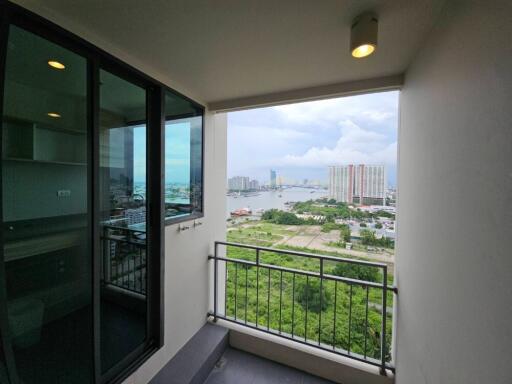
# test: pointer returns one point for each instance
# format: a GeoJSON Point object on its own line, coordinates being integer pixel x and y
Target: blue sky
{"type": "Point", "coordinates": [300, 140]}
{"type": "Point", "coordinates": [177, 153]}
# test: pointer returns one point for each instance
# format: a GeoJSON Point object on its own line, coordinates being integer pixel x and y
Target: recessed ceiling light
{"type": "Point", "coordinates": [56, 64]}
{"type": "Point", "coordinates": [363, 36]}
{"type": "Point", "coordinates": [53, 114]}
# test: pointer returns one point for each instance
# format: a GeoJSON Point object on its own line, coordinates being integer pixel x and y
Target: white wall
{"type": "Point", "coordinates": [187, 278]}
{"type": "Point", "coordinates": [454, 258]}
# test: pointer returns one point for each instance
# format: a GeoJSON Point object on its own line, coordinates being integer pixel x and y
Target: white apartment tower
{"type": "Point", "coordinates": [362, 183]}
{"type": "Point", "coordinates": [238, 183]}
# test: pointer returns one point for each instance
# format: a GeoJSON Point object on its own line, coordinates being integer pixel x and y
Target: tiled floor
{"type": "Point", "coordinates": [237, 367]}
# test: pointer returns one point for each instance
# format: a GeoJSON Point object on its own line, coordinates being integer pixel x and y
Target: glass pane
{"type": "Point", "coordinates": [46, 252]}
{"type": "Point", "coordinates": [183, 157]}
{"type": "Point", "coordinates": [123, 217]}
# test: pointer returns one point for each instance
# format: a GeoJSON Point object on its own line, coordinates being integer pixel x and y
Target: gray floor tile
{"type": "Point", "coordinates": [237, 367]}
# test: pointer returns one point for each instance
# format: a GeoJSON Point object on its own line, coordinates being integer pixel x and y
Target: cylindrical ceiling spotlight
{"type": "Point", "coordinates": [363, 37]}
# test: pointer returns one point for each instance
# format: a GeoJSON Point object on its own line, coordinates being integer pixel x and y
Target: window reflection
{"type": "Point", "coordinates": [183, 159]}
{"type": "Point", "coordinates": [123, 218]}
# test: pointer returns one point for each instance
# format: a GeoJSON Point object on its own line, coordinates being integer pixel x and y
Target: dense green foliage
{"type": "Point", "coordinates": [311, 297]}
{"type": "Point", "coordinates": [332, 210]}
{"type": "Point", "coordinates": [368, 238]}
{"type": "Point", "coordinates": [356, 271]}
{"type": "Point", "coordinates": [277, 216]}
{"type": "Point", "coordinates": [345, 234]}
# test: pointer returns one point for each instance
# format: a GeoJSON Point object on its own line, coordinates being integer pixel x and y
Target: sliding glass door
{"type": "Point", "coordinates": [80, 244]}
{"type": "Point", "coordinates": [123, 218]}
{"type": "Point", "coordinates": [47, 310]}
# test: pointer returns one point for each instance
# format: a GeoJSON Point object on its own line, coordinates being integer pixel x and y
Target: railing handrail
{"type": "Point", "coordinates": [305, 254]}
{"type": "Point", "coordinates": [326, 276]}
{"type": "Point", "coordinates": [322, 276]}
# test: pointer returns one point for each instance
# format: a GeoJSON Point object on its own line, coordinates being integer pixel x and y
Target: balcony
{"type": "Point", "coordinates": [93, 94]}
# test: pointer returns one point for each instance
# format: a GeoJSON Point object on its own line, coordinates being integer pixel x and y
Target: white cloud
{"type": "Point", "coordinates": [376, 108]}
{"type": "Point", "coordinates": [355, 145]}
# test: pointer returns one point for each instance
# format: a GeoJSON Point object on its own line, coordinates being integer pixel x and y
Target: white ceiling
{"type": "Point", "coordinates": [227, 49]}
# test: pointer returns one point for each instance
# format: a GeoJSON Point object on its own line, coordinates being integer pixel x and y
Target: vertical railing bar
{"type": "Point", "coordinates": [384, 316]}
{"type": "Point", "coordinates": [350, 320]}
{"type": "Point", "coordinates": [268, 301]}
{"type": "Point", "coordinates": [307, 307]}
{"type": "Point", "coordinates": [257, 285]}
{"type": "Point", "coordinates": [335, 310]}
{"type": "Point", "coordinates": [132, 272]}
{"type": "Point", "coordinates": [145, 271]}
{"type": "Point", "coordinates": [280, 301]}
{"type": "Point", "coordinates": [366, 323]}
{"type": "Point", "coordinates": [107, 248]}
{"type": "Point", "coordinates": [225, 288]}
{"type": "Point", "coordinates": [215, 267]}
{"type": "Point", "coordinates": [321, 300]}
{"type": "Point", "coordinates": [246, 298]}
{"type": "Point", "coordinates": [236, 286]}
{"type": "Point", "coordinates": [138, 278]}
{"type": "Point", "coordinates": [293, 304]}
{"type": "Point", "coordinates": [122, 272]}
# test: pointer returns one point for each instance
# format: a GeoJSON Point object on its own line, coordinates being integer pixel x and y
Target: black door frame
{"type": "Point", "coordinates": [12, 14]}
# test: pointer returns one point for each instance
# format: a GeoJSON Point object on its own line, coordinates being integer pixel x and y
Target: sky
{"type": "Point", "coordinates": [301, 140]}
{"type": "Point", "coordinates": [177, 153]}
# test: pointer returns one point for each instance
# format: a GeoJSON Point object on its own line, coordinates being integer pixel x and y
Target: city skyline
{"type": "Point", "coordinates": [301, 140]}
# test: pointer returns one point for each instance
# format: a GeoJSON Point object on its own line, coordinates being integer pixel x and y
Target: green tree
{"type": "Point", "coordinates": [345, 234]}
{"type": "Point", "coordinates": [280, 217]}
{"type": "Point", "coordinates": [270, 214]}
{"type": "Point", "coordinates": [368, 237]}
{"type": "Point", "coordinates": [356, 271]}
{"type": "Point", "coordinates": [378, 225]}
{"type": "Point", "coordinates": [308, 295]}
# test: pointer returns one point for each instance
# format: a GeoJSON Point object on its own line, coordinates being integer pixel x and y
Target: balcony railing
{"type": "Point", "coordinates": [335, 304]}
{"type": "Point", "coordinates": [124, 258]}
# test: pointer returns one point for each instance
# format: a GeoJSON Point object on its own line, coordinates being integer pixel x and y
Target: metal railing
{"type": "Point", "coordinates": [124, 258]}
{"type": "Point", "coordinates": [262, 288]}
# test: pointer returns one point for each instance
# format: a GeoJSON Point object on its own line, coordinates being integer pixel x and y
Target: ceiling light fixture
{"type": "Point", "coordinates": [53, 114]}
{"type": "Point", "coordinates": [56, 64]}
{"type": "Point", "coordinates": [363, 36]}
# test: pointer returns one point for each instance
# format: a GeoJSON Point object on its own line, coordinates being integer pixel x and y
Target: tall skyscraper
{"type": "Point", "coordinates": [238, 183]}
{"type": "Point", "coordinates": [273, 178]}
{"type": "Point", "coordinates": [362, 184]}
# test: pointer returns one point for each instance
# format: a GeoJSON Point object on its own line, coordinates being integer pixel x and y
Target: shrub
{"type": "Point", "coordinates": [308, 295]}
{"type": "Point", "coordinates": [356, 271]}
{"type": "Point", "coordinates": [281, 217]}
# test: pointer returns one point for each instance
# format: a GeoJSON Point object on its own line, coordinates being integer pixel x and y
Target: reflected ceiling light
{"type": "Point", "coordinates": [56, 64]}
{"type": "Point", "coordinates": [53, 114]}
{"type": "Point", "coordinates": [363, 36]}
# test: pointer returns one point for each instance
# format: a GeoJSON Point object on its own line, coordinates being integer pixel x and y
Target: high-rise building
{"type": "Point", "coordinates": [238, 183]}
{"type": "Point", "coordinates": [341, 183]}
{"type": "Point", "coordinates": [273, 178]}
{"type": "Point", "coordinates": [254, 185]}
{"type": "Point", "coordinates": [362, 184]}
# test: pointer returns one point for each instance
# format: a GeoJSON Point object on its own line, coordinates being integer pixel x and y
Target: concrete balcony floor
{"type": "Point", "coordinates": [236, 367]}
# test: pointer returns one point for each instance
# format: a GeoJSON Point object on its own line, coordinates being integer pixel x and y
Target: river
{"type": "Point", "coordinates": [273, 199]}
